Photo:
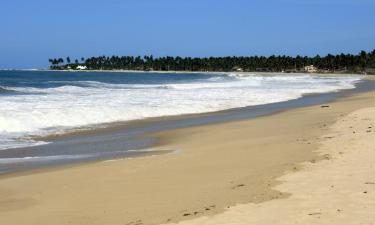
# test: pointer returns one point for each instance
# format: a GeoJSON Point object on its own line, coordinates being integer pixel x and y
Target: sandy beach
{"type": "Point", "coordinates": [187, 112]}
{"type": "Point", "coordinates": [302, 166]}
{"type": "Point", "coordinates": [337, 190]}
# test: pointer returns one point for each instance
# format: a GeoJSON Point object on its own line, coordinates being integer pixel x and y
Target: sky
{"type": "Point", "coordinates": [31, 32]}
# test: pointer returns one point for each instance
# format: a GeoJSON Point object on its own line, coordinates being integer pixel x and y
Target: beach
{"type": "Point", "coordinates": [56, 118]}
{"type": "Point", "coordinates": [337, 190]}
{"type": "Point", "coordinates": [187, 113]}
{"type": "Point", "coordinates": [234, 172]}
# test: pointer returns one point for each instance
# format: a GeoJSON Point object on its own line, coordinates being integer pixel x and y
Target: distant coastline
{"type": "Point", "coordinates": [192, 72]}
{"type": "Point", "coordinates": [361, 63]}
{"type": "Point", "coordinates": [208, 72]}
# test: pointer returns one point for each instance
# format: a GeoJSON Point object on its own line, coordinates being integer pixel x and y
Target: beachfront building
{"type": "Point", "coordinates": [237, 69]}
{"type": "Point", "coordinates": [81, 67]}
{"type": "Point", "coordinates": [311, 69]}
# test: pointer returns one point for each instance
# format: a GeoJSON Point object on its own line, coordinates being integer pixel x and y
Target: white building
{"type": "Point", "coordinates": [237, 69]}
{"type": "Point", "coordinates": [311, 69]}
{"type": "Point", "coordinates": [80, 67]}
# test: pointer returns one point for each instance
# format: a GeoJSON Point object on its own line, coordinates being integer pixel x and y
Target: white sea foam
{"type": "Point", "coordinates": [81, 103]}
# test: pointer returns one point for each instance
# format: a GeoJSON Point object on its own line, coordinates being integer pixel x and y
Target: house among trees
{"type": "Point", "coordinates": [80, 67]}
{"type": "Point", "coordinates": [237, 69]}
{"type": "Point", "coordinates": [370, 71]}
{"type": "Point", "coordinates": [341, 63]}
{"type": "Point", "coordinates": [311, 69]}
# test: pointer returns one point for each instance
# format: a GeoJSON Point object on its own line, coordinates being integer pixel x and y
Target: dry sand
{"type": "Point", "coordinates": [336, 191]}
{"type": "Point", "coordinates": [216, 167]}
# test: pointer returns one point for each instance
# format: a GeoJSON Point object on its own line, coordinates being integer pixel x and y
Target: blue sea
{"type": "Point", "coordinates": [40, 103]}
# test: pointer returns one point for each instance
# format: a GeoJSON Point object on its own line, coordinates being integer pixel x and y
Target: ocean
{"type": "Point", "coordinates": [39, 103]}
{"type": "Point", "coordinates": [56, 118]}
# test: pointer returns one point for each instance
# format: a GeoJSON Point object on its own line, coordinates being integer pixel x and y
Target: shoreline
{"type": "Point", "coordinates": [133, 135]}
{"type": "Point", "coordinates": [338, 189]}
{"type": "Point", "coordinates": [218, 166]}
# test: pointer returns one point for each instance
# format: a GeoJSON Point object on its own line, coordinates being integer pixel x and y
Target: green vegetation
{"type": "Point", "coordinates": [362, 62]}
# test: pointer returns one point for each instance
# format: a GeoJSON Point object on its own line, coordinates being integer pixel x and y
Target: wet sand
{"type": "Point", "coordinates": [214, 167]}
{"type": "Point", "coordinates": [335, 191]}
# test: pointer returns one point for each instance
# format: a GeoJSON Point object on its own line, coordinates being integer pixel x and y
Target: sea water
{"type": "Point", "coordinates": [38, 103]}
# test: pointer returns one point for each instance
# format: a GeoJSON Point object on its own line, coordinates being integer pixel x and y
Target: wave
{"type": "Point", "coordinates": [5, 90]}
{"type": "Point", "coordinates": [83, 86]}
{"type": "Point", "coordinates": [77, 104]}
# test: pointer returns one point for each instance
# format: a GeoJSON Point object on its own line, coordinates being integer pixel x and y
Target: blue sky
{"type": "Point", "coordinates": [33, 31]}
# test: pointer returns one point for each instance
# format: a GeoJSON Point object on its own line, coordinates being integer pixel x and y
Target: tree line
{"type": "Point", "coordinates": [329, 63]}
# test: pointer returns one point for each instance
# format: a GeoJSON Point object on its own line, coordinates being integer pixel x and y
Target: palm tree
{"type": "Point", "coordinates": [275, 63]}
{"type": "Point", "coordinates": [60, 60]}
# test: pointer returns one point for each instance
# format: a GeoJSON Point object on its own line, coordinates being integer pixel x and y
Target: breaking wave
{"type": "Point", "coordinates": [73, 104]}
